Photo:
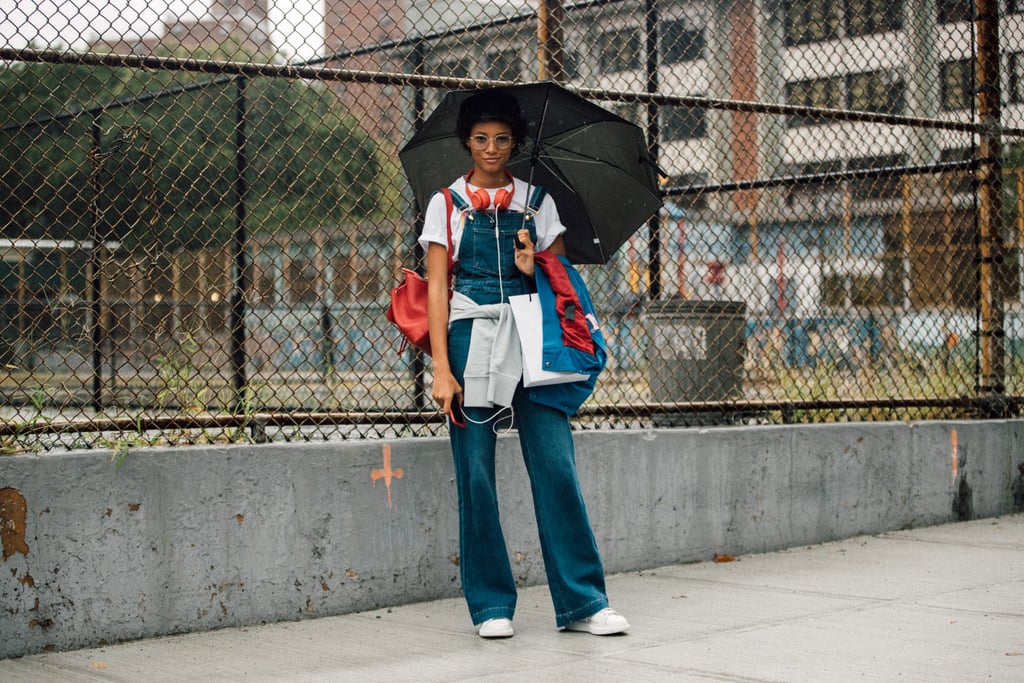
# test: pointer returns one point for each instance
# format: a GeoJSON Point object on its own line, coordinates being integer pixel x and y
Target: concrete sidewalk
{"type": "Point", "coordinates": [943, 603]}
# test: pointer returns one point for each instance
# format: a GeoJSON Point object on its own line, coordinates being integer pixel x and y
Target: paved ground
{"type": "Point", "coordinates": [943, 603]}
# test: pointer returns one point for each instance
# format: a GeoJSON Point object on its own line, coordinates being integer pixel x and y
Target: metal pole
{"type": "Point", "coordinates": [241, 262]}
{"type": "Point", "coordinates": [992, 375]}
{"type": "Point", "coordinates": [1020, 235]}
{"type": "Point", "coordinates": [95, 269]}
{"type": "Point", "coordinates": [550, 41]}
{"type": "Point", "coordinates": [906, 244]}
{"type": "Point", "coordinates": [418, 367]}
{"type": "Point", "coordinates": [653, 133]}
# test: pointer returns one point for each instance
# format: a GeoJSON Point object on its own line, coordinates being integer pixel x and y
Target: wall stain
{"type": "Point", "coordinates": [963, 496]}
{"type": "Point", "coordinates": [963, 502]}
{"type": "Point", "coordinates": [13, 514]}
{"type": "Point", "coordinates": [1018, 489]}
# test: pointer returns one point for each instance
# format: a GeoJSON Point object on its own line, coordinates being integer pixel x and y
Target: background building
{"type": "Point", "coordinates": [232, 27]}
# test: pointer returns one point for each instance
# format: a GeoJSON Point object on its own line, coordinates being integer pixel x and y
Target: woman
{"type": "Point", "coordinates": [495, 228]}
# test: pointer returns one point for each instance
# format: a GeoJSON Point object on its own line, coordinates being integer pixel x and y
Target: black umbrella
{"type": "Point", "coordinates": [594, 164]}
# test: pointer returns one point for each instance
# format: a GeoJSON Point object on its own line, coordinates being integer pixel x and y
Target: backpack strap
{"type": "Point", "coordinates": [448, 201]}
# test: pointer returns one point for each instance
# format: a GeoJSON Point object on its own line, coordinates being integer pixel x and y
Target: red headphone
{"type": "Point", "coordinates": [481, 198]}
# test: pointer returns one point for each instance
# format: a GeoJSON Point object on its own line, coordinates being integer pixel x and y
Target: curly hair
{"type": "Point", "coordinates": [490, 105]}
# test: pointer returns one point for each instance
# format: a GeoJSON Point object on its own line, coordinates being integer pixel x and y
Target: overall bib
{"type": "Point", "coordinates": [486, 273]}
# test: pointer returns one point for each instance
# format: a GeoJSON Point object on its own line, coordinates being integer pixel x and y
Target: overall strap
{"type": "Point", "coordinates": [455, 198]}
{"type": "Point", "coordinates": [536, 198]}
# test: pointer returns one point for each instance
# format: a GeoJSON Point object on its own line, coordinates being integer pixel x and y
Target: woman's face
{"type": "Point", "coordinates": [490, 159]}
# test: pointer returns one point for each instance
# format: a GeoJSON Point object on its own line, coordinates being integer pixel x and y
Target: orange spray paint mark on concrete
{"type": "Point", "coordinates": [386, 473]}
{"type": "Point", "coordinates": [13, 513]}
{"type": "Point", "coordinates": [956, 461]}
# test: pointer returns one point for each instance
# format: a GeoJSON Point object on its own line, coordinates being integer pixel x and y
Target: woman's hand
{"type": "Point", "coordinates": [446, 390]}
{"type": "Point", "coordinates": [524, 253]}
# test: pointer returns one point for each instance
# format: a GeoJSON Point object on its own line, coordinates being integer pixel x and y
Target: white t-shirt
{"type": "Point", "coordinates": [549, 226]}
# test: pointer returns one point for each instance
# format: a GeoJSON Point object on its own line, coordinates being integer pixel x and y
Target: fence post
{"type": "Point", "coordinates": [992, 371]}
{"type": "Point", "coordinates": [653, 133]}
{"type": "Point", "coordinates": [550, 41]}
{"type": "Point", "coordinates": [95, 269]}
{"type": "Point", "coordinates": [418, 367]}
{"type": "Point", "coordinates": [241, 274]}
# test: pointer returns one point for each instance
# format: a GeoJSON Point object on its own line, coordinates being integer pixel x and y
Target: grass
{"type": "Point", "coordinates": [181, 386]}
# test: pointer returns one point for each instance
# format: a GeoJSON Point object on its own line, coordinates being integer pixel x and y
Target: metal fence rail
{"type": "Point", "coordinates": [203, 214]}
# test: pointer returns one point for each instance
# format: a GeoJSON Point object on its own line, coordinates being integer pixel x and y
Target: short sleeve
{"type": "Point", "coordinates": [434, 229]}
{"type": "Point", "coordinates": [549, 225]}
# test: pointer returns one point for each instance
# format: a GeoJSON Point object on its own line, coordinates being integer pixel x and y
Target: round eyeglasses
{"type": "Point", "coordinates": [479, 142]}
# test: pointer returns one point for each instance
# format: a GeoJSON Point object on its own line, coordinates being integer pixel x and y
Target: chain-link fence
{"type": "Point", "coordinates": [203, 212]}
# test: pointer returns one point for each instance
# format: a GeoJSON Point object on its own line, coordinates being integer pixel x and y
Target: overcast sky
{"type": "Point", "coordinates": [297, 25]}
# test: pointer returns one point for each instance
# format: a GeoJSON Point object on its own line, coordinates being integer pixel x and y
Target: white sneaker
{"type": "Point", "coordinates": [496, 628]}
{"type": "Point", "coordinates": [604, 623]}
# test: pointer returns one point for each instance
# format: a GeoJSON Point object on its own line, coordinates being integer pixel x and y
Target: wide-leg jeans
{"type": "Point", "coordinates": [571, 559]}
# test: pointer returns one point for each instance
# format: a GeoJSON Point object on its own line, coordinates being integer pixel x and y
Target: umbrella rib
{"type": "Point", "coordinates": [554, 174]}
{"type": "Point", "coordinates": [569, 135]}
{"type": "Point", "coordinates": [572, 155]}
{"type": "Point", "coordinates": [568, 155]}
{"type": "Point", "coordinates": [578, 130]}
{"type": "Point", "coordinates": [577, 160]}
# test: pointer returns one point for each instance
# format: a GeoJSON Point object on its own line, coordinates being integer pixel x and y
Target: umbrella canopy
{"type": "Point", "coordinates": [593, 163]}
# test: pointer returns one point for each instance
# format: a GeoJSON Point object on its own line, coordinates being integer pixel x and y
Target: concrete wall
{"type": "Point", "coordinates": [183, 539]}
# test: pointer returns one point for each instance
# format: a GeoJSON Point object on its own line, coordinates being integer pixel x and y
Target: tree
{"type": "Point", "coordinates": [165, 171]}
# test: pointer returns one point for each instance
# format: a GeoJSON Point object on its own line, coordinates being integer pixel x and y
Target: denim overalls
{"type": "Point", "coordinates": [571, 559]}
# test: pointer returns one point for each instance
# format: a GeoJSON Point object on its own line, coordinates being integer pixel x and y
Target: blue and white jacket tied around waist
{"type": "Point", "coordinates": [495, 363]}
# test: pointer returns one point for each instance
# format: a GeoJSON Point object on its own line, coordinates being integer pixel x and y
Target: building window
{"type": "Point", "coordinates": [805, 193]}
{"type": "Point", "coordinates": [631, 111]}
{"type": "Point", "coordinates": [959, 182]}
{"type": "Point", "coordinates": [504, 65]}
{"type": "Point", "coordinates": [693, 201]}
{"type": "Point", "coordinates": [957, 84]}
{"type": "Point", "coordinates": [875, 91]}
{"type": "Point", "coordinates": [680, 122]}
{"type": "Point", "coordinates": [809, 21]}
{"type": "Point", "coordinates": [456, 67]}
{"type": "Point", "coordinates": [680, 43]}
{"type": "Point", "coordinates": [873, 16]}
{"type": "Point", "coordinates": [950, 11]}
{"type": "Point", "coordinates": [571, 68]}
{"type": "Point", "coordinates": [886, 183]}
{"type": "Point", "coordinates": [824, 93]}
{"type": "Point", "coordinates": [619, 50]}
{"type": "Point", "coordinates": [1015, 78]}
